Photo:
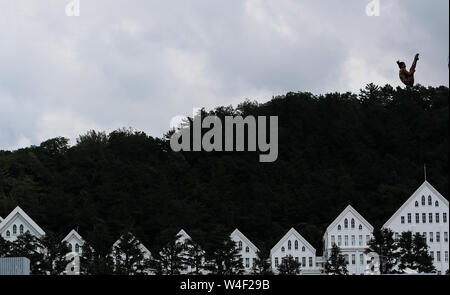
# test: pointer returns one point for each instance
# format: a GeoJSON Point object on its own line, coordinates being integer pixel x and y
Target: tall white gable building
{"type": "Point", "coordinates": [17, 223]}
{"type": "Point", "coordinates": [246, 248]}
{"type": "Point", "coordinates": [75, 243]}
{"type": "Point", "coordinates": [184, 237]}
{"type": "Point", "coordinates": [351, 232]}
{"type": "Point", "coordinates": [425, 212]}
{"type": "Point", "coordinates": [295, 245]}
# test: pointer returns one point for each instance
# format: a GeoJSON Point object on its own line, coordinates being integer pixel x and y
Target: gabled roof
{"type": "Point", "coordinates": [426, 184]}
{"type": "Point", "coordinates": [238, 233]}
{"type": "Point", "coordinates": [292, 231]}
{"type": "Point", "coordinates": [183, 234]}
{"type": "Point", "coordinates": [141, 246]}
{"type": "Point", "coordinates": [349, 208]}
{"type": "Point", "coordinates": [73, 233]}
{"type": "Point", "coordinates": [19, 211]}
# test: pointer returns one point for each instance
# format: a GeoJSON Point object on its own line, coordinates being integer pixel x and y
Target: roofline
{"type": "Point", "coordinates": [19, 211]}
{"type": "Point", "coordinates": [246, 240]}
{"type": "Point", "coordinates": [180, 233]}
{"type": "Point", "coordinates": [299, 236]}
{"type": "Point", "coordinates": [75, 233]}
{"type": "Point", "coordinates": [346, 210]}
{"type": "Point", "coordinates": [425, 184]}
{"type": "Point", "coordinates": [140, 243]}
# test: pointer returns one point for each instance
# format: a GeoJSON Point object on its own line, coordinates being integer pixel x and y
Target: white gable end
{"type": "Point", "coordinates": [17, 223]}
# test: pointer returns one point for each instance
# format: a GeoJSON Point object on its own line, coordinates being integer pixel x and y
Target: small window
{"type": "Point", "coordinates": [437, 218]}
{"type": "Point", "coordinates": [424, 218]}
{"type": "Point", "coordinates": [289, 245]}
{"type": "Point", "coordinates": [303, 249]}
{"type": "Point", "coordinates": [70, 247]}
{"type": "Point", "coordinates": [77, 248]}
{"type": "Point", "coordinates": [240, 245]}
{"type": "Point", "coordinates": [247, 249]}
{"type": "Point", "coordinates": [21, 229]}
{"type": "Point", "coordinates": [436, 204]}
{"type": "Point", "coordinates": [360, 227]}
{"type": "Point", "coordinates": [423, 200]}
{"type": "Point", "coordinates": [430, 201]}
{"type": "Point", "coordinates": [417, 204]}
{"type": "Point", "coordinates": [14, 229]}
{"type": "Point", "coordinates": [417, 218]}
{"type": "Point", "coordinates": [283, 249]}
{"type": "Point", "coordinates": [430, 217]}
{"type": "Point", "coordinates": [339, 227]}
{"type": "Point", "coordinates": [296, 245]}
{"type": "Point", "coordinates": [345, 223]}
{"type": "Point", "coordinates": [8, 233]}
{"type": "Point", "coordinates": [403, 219]}
{"type": "Point", "coordinates": [353, 223]}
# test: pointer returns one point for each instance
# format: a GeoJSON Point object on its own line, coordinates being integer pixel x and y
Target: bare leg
{"type": "Point", "coordinates": [413, 67]}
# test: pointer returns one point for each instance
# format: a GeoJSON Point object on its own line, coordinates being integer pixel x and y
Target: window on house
{"type": "Point", "coordinates": [431, 237]}
{"type": "Point", "coordinates": [437, 218]}
{"type": "Point", "coordinates": [296, 244]}
{"type": "Point", "coordinates": [361, 259]}
{"type": "Point", "coordinates": [353, 259]}
{"type": "Point", "coordinates": [296, 259]}
{"type": "Point", "coordinates": [446, 256]}
{"type": "Point", "coordinates": [444, 217]}
{"type": "Point", "coordinates": [346, 258]}
{"type": "Point", "coordinates": [432, 255]}
{"type": "Point", "coordinates": [247, 262]}
{"type": "Point", "coordinates": [360, 240]}
{"type": "Point", "coordinates": [304, 261]}
{"type": "Point", "coordinates": [21, 229]}
{"type": "Point", "coordinates": [240, 245]}
{"type": "Point", "coordinates": [353, 223]}
{"type": "Point", "coordinates": [14, 229]}
{"type": "Point", "coordinates": [353, 240]}
{"type": "Point", "coordinates": [310, 262]}
{"type": "Point", "coordinates": [417, 217]}
{"type": "Point", "coordinates": [430, 201]}
{"type": "Point", "coordinates": [70, 247]}
{"type": "Point", "coordinates": [409, 217]}
{"type": "Point", "coordinates": [247, 249]}
{"type": "Point", "coordinates": [430, 217]}
{"type": "Point", "coordinates": [403, 219]}
{"type": "Point", "coordinates": [345, 223]}
{"type": "Point", "coordinates": [8, 233]}
{"type": "Point", "coordinates": [346, 240]}
{"type": "Point", "coordinates": [424, 236]}
{"type": "Point", "coordinates": [446, 237]}
{"type": "Point", "coordinates": [282, 249]}
{"type": "Point", "coordinates": [438, 256]}
{"type": "Point", "coordinates": [417, 204]}
{"type": "Point", "coordinates": [360, 227]}
{"type": "Point", "coordinates": [436, 204]}
{"type": "Point", "coordinates": [438, 237]}
{"type": "Point", "coordinates": [424, 218]}
{"type": "Point", "coordinates": [367, 239]}
{"type": "Point", "coordinates": [276, 262]}
{"type": "Point", "coordinates": [332, 241]}
{"type": "Point", "coordinates": [339, 227]}
{"type": "Point", "coordinates": [339, 241]}
{"type": "Point", "coordinates": [289, 245]}
{"type": "Point", "coordinates": [423, 200]}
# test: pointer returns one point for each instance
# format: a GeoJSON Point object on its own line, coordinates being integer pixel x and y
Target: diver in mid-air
{"type": "Point", "coordinates": [407, 77]}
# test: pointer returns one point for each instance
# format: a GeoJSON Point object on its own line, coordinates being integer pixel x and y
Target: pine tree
{"type": "Point", "coordinates": [414, 253]}
{"type": "Point", "coordinates": [129, 258]}
{"type": "Point", "coordinates": [5, 247]}
{"type": "Point", "coordinates": [262, 264]}
{"type": "Point", "coordinates": [195, 257]}
{"type": "Point", "coordinates": [424, 261]}
{"type": "Point", "coordinates": [95, 263]}
{"type": "Point", "coordinates": [54, 254]}
{"type": "Point", "coordinates": [225, 259]}
{"type": "Point", "coordinates": [336, 263]}
{"type": "Point", "coordinates": [384, 244]}
{"type": "Point", "coordinates": [289, 266]}
{"type": "Point", "coordinates": [171, 259]}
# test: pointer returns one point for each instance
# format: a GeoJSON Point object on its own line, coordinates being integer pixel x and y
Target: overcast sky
{"type": "Point", "coordinates": [139, 63]}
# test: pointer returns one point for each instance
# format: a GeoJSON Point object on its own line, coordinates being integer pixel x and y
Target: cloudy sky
{"type": "Point", "coordinates": [139, 63]}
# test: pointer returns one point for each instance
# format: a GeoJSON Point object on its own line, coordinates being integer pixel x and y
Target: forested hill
{"type": "Point", "coordinates": [365, 149]}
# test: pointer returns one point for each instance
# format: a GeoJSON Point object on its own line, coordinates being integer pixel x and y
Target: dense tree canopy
{"type": "Point", "coordinates": [365, 149]}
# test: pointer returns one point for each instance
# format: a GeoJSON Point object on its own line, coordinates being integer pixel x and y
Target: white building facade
{"type": "Point", "coordinates": [247, 250]}
{"type": "Point", "coordinates": [293, 244]}
{"type": "Point", "coordinates": [18, 223]}
{"type": "Point", "coordinates": [425, 212]}
{"type": "Point", "coordinates": [75, 243]}
{"type": "Point", "coordinates": [351, 232]}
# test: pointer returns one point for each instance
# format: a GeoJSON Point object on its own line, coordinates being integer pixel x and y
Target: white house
{"type": "Point", "coordinates": [247, 249]}
{"type": "Point", "coordinates": [351, 232]}
{"type": "Point", "coordinates": [295, 245]}
{"type": "Point", "coordinates": [75, 243]}
{"type": "Point", "coordinates": [183, 238]}
{"type": "Point", "coordinates": [17, 223]}
{"type": "Point", "coordinates": [425, 212]}
{"type": "Point", "coordinates": [144, 250]}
